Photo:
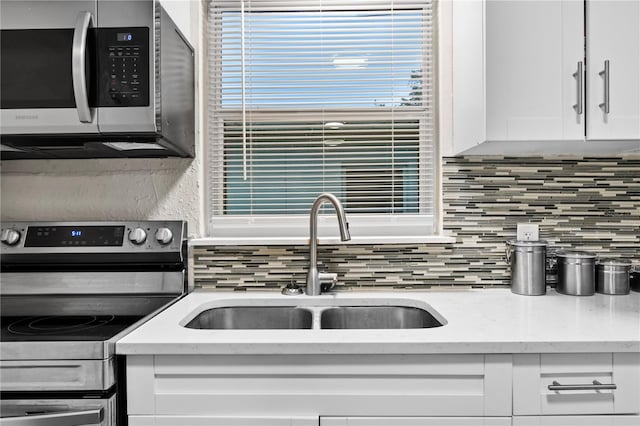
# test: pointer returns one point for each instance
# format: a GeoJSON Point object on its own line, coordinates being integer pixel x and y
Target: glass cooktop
{"type": "Point", "coordinates": [61, 328]}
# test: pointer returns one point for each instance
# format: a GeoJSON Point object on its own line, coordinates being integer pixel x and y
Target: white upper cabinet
{"type": "Point", "coordinates": [534, 70]}
{"type": "Point", "coordinates": [613, 69]}
{"type": "Point", "coordinates": [534, 51]}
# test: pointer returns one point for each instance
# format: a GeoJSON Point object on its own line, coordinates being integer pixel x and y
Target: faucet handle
{"type": "Point", "coordinates": [327, 280]}
{"type": "Point", "coordinates": [331, 277]}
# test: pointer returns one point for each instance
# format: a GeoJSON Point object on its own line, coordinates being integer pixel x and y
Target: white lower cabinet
{"type": "Point", "coordinates": [313, 421]}
{"type": "Point", "coordinates": [221, 421]}
{"type": "Point", "coordinates": [576, 421]}
{"type": "Point", "coordinates": [576, 384]}
{"type": "Point", "coordinates": [597, 389]}
{"type": "Point", "coordinates": [329, 385]}
{"type": "Point", "coordinates": [415, 421]}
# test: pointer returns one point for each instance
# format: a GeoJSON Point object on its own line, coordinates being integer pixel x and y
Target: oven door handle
{"type": "Point", "coordinates": [61, 418]}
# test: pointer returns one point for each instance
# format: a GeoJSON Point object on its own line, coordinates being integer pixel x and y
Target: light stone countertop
{"type": "Point", "coordinates": [478, 321]}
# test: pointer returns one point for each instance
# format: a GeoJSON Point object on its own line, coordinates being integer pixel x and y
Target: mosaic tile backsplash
{"type": "Point", "coordinates": [590, 204]}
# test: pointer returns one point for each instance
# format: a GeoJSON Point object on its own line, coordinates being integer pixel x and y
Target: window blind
{"type": "Point", "coordinates": [320, 96]}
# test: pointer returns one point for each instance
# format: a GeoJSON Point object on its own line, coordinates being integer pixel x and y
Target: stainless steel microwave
{"type": "Point", "coordinates": [94, 78]}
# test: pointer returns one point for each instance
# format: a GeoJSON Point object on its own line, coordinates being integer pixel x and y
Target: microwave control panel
{"type": "Point", "coordinates": [124, 67]}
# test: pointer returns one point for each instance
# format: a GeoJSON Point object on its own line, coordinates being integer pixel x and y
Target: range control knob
{"type": "Point", "coordinates": [164, 236]}
{"type": "Point", "coordinates": [10, 237]}
{"type": "Point", "coordinates": [137, 236]}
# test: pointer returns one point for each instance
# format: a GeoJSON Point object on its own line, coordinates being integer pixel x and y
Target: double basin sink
{"type": "Point", "coordinates": [354, 314]}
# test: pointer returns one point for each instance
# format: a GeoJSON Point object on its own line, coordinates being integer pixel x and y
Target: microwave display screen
{"type": "Point", "coordinates": [124, 37]}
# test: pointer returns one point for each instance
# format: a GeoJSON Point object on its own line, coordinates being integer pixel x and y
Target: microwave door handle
{"type": "Point", "coordinates": [66, 418]}
{"type": "Point", "coordinates": [78, 63]}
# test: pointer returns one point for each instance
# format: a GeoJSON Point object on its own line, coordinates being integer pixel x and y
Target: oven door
{"type": "Point", "coordinates": [47, 67]}
{"type": "Point", "coordinates": [58, 412]}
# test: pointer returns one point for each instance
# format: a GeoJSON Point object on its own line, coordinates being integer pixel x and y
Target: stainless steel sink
{"type": "Point", "coordinates": [378, 317]}
{"type": "Point", "coordinates": [253, 318]}
{"type": "Point", "coordinates": [311, 313]}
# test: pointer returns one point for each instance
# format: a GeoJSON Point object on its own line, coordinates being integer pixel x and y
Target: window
{"type": "Point", "coordinates": [317, 96]}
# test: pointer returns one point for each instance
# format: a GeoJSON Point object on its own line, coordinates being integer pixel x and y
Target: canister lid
{"type": "Point", "coordinates": [528, 243]}
{"type": "Point", "coordinates": [614, 262]}
{"type": "Point", "coordinates": [576, 255]}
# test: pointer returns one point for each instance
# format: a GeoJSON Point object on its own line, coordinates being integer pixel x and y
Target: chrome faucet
{"type": "Point", "coordinates": [315, 278]}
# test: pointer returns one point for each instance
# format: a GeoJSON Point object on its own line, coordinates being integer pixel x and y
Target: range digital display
{"type": "Point", "coordinates": [72, 236]}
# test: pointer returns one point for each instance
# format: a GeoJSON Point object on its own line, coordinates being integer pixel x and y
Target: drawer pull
{"type": "Point", "coordinates": [596, 386]}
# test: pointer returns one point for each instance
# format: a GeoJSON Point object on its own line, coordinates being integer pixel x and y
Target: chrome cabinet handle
{"type": "Point", "coordinates": [78, 66]}
{"type": "Point", "coordinates": [66, 418]}
{"type": "Point", "coordinates": [596, 385]}
{"type": "Point", "coordinates": [605, 74]}
{"type": "Point", "coordinates": [578, 75]}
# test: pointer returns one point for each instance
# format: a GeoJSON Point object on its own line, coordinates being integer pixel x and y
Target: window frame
{"type": "Point", "coordinates": [286, 229]}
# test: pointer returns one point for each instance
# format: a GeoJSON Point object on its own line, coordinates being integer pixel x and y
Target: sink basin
{"type": "Point", "coordinates": [378, 317]}
{"type": "Point", "coordinates": [310, 313]}
{"type": "Point", "coordinates": [253, 318]}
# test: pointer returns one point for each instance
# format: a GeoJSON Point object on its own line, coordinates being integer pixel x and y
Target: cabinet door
{"type": "Point", "coordinates": [533, 52]}
{"type": "Point", "coordinates": [415, 421]}
{"type": "Point", "coordinates": [360, 385]}
{"type": "Point", "coordinates": [220, 421]}
{"type": "Point", "coordinates": [576, 421]}
{"type": "Point", "coordinates": [613, 35]}
{"type": "Point", "coordinates": [567, 384]}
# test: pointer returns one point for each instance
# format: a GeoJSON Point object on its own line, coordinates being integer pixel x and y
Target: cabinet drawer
{"type": "Point", "coordinates": [221, 421]}
{"type": "Point", "coordinates": [334, 385]}
{"type": "Point", "coordinates": [577, 421]}
{"type": "Point", "coordinates": [601, 383]}
{"type": "Point", "coordinates": [415, 421]}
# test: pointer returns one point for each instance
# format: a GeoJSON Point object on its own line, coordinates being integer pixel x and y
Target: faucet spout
{"type": "Point", "coordinates": [314, 278]}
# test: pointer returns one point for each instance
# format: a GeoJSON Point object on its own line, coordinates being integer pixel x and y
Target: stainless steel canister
{"type": "Point", "coordinates": [527, 260]}
{"type": "Point", "coordinates": [576, 273]}
{"type": "Point", "coordinates": [613, 276]}
{"type": "Point", "coordinates": [634, 278]}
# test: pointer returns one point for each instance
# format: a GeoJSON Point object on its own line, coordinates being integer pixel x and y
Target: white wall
{"type": "Point", "coordinates": [111, 189]}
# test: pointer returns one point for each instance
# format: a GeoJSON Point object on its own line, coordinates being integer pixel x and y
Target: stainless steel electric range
{"type": "Point", "coordinates": [69, 291]}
